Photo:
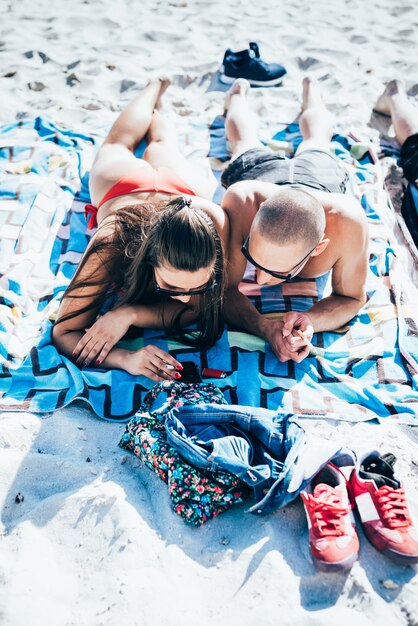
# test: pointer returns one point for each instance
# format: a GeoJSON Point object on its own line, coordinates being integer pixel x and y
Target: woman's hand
{"type": "Point", "coordinates": [152, 362]}
{"type": "Point", "coordinates": [100, 338]}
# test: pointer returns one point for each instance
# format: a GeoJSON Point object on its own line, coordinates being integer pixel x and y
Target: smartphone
{"type": "Point", "coordinates": [190, 373]}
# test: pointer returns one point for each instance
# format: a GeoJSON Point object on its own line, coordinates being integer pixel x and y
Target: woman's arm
{"type": "Point", "coordinates": [98, 340]}
{"type": "Point", "coordinates": [87, 290]}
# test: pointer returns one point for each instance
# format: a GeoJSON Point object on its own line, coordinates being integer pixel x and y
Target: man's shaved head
{"type": "Point", "coordinates": [291, 216]}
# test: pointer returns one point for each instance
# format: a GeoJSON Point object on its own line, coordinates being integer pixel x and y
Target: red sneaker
{"type": "Point", "coordinates": [332, 535]}
{"type": "Point", "coordinates": [381, 504]}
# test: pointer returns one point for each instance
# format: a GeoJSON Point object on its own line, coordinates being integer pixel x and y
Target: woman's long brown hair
{"type": "Point", "coordinates": [152, 234]}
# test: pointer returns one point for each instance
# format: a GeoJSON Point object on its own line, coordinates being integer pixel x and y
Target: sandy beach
{"type": "Point", "coordinates": [94, 541]}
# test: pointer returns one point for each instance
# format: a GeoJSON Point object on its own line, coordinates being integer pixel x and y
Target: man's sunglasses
{"type": "Point", "coordinates": [192, 292]}
{"type": "Point", "coordinates": [293, 272]}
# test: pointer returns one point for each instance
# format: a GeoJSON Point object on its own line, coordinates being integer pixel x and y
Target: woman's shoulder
{"type": "Point", "coordinates": [100, 252]}
{"type": "Point", "coordinates": [106, 229]}
{"type": "Point", "coordinates": [216, 214]}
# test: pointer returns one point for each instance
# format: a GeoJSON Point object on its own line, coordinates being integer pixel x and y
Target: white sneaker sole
{"type": "Point", "coordinates": [228, 80]}
{"type": "Point", "coordinates": [325, 566]}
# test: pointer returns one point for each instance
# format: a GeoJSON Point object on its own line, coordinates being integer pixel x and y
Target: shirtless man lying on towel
{"type": "Point", "coordinates": [291, 218]}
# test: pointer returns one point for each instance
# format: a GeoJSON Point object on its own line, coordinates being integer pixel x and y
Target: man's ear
{"type": "Point", "coordinates": [323, 245]}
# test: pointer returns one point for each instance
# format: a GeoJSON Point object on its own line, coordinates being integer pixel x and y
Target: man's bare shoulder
{"type": "Point", "coordinates": [346, 224]}
{"type": "Point", "coordinates": [247, 194]}
{"type": "Point", "coordinates": [342, 206]}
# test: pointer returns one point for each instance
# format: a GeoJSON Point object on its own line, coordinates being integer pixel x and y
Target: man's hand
{"type": "Point", "coordinates": [297, 329]}
{"type": "Point", "coordinates": [290, 339]}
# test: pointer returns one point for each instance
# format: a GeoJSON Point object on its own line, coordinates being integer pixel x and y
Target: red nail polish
{"type": "Point", "coordinates": [98, 362]}
{"type": "Point", "coordinates": [177, 375]}
{"type": "Point", "coordinates": [73, 354]}
{"type": "Point", "coordinates": [179, 366]}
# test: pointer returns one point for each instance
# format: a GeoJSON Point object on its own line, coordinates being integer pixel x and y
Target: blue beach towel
{"type": "Point", "coordinates": [367, 370]}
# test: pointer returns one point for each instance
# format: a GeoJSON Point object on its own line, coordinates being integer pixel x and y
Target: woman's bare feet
{"type": "Point", "coordinates": [164, 84]}
{"type": "Point", "coordinates": [159, 85]}
{"type": "Point", "coordinates": [393, 88]}
{"type": "Point", "coordinates": [240, 87]}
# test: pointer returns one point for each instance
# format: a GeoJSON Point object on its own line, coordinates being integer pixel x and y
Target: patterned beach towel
{"type": "Point", "coordinates": [367, 370]}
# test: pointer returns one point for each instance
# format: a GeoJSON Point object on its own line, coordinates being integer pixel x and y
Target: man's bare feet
{"type": "Point", "coordinates": [392, 88]}
{"type": "Point", "coordinates": [311, 94]}
{"type": "Point", "coordinates": [240, 86]}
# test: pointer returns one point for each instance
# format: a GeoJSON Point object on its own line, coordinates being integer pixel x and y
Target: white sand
{"type": "Point", "coordinates": [96, 543]}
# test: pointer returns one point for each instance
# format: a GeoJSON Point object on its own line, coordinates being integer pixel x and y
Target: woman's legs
{"type": "Point", "coordinates": [116, 155]}
{"type": "Point", "coordinates": [241, 124]}
{"type": "Point", "coordinates": [315, 121]}
{"type": "Point", "coordinates": [163, 151]}
{"type": "Point", "coordinates": [394, 102]}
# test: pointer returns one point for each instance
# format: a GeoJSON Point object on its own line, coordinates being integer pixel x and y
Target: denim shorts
{"type": "Point", "coordinates": [409, 159]}
{"type": "Point", "coordinates": [313, 169]}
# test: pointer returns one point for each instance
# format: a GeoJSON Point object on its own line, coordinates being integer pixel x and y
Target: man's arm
{"type": "Point", "coordinates": [239, 311]}
{"type": "Point", "coordinates": [348, 278]}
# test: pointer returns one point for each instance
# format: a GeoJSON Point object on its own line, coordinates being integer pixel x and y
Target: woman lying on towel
{"type": "Point", "coordinates": [158, 246]}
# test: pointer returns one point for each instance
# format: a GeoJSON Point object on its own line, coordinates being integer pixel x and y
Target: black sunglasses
{"type": "Point", "coordinates": [293, 272]}
{"type": "Point", "coordinates": [192, 292]}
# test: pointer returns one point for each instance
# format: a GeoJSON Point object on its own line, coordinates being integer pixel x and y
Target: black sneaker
{"type": "Point", "coordinates": [248, 64]}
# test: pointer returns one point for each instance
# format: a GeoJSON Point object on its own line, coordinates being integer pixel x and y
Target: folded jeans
{"type": "Point", "coordinates": [268, 450]}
